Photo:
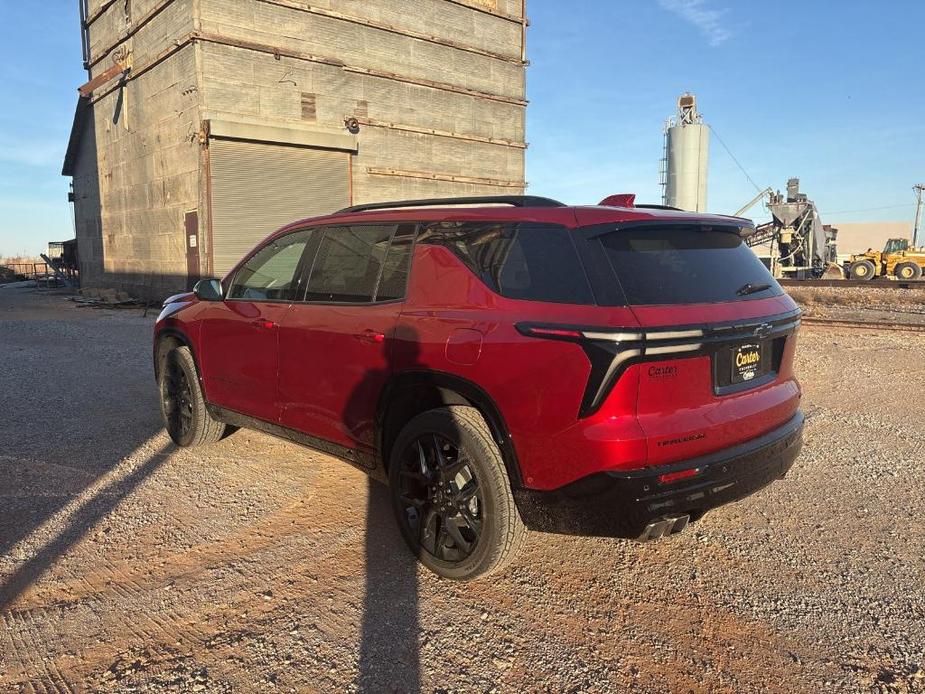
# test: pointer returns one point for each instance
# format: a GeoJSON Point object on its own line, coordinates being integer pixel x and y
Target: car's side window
{"type": "Point", "coordinates": [397, 265]}
{"type": "Point", "coordinates": [533, 262]}
{"type": "Point", "coordinates": [349, 263]}
{"type": "Point", "coordinates": [272, 272]}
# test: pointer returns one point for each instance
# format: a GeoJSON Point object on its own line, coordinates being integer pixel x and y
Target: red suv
{"type": "Point", "coordinates": [503, 363]}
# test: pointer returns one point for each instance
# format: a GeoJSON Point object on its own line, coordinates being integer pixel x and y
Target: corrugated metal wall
{"type": "Point", "coordinates": [259, 187]}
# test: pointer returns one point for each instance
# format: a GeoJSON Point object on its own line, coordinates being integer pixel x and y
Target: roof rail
{"type": "Point", "coordinates": [650, 206]}
{"type": "Point", "coordinates": [513, 200]}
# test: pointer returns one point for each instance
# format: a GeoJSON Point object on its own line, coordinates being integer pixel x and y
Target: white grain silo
{"type": "Point", "coordinates": [687, 145]}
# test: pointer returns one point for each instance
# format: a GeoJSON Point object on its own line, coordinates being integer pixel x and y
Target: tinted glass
{"type": "Point", "coordinates": [521, 261]}
{"type": "Point", "coordinates": [269, 274]}
{"type": "Point", "coordinates": [396, 267]}
{"type": "Point", "coordinates": [348, 264]}
{"type": "Point", "coordinates": [685, 264]}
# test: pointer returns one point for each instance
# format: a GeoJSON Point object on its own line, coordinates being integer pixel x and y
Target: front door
{"type": "Point", "coordinates": [240, 335]}
{"type": "Point", "coordinates": [335, 346]}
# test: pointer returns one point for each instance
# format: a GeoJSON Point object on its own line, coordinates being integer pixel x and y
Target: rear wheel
{"type": "Point", "coordinates": [861, 270]}
{"type": "Point", "coordinates": [908, 271]}
{"type": "Point", "coordinates": [183, 407]}
{"type": "Point", "coordinates": [452, 496]}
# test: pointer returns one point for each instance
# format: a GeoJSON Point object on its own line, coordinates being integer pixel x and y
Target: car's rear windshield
{"type": "Point", "coordinates": [685, 264]}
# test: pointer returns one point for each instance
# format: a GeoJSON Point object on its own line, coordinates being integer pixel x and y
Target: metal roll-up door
{"type": "Point", "coordinates": [259, 187]}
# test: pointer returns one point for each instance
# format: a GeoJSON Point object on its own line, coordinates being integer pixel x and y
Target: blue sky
{"type": "Point", "coordinates": [828, 91]}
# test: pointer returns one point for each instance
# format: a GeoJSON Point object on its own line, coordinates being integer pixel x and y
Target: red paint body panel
{"type": "Point", "coordinates": [334, 361]}
{"type": "Point", "coordinates": [238, 355]}
{"type": "Point", "coordinates": [682, 418]}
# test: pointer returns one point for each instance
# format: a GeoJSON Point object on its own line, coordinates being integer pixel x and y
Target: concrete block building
{"type": "Point", "coordinates": [206, 124]}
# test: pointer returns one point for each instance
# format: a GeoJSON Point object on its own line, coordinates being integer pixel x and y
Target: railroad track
{"type": "Point", "coordinates": [862, 325]}
{"type": "Point", "coordinates": [865, 284]}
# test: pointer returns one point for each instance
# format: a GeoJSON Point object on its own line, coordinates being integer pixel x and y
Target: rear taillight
{"type": "Point", "coordinates": [576, 334]}
{"type": "Point", "coordinates": [612, 350]}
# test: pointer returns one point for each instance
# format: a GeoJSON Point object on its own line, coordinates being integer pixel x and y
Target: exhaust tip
{"type": "Point", "coordinates": [669, 525]}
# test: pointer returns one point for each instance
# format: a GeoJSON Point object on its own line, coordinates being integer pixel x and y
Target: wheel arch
{"type": "Point", "coordinates": [412, 392]}
{"type": "Point", "coordinates": [167, 339]}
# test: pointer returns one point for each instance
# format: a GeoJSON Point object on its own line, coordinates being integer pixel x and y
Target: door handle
{"type": "Point", "coordinates": [371, 336]}
{"type": "Point", "coordinates": [264, 324]}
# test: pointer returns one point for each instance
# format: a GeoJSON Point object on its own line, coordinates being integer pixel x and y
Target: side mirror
{"type": "Point", "coordinates": [208, 290]}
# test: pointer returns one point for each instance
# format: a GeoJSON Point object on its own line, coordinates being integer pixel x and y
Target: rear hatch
{"type": "Point", "coordinates": [718, 334]}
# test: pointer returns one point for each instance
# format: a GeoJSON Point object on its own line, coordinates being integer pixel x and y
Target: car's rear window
{"type": "Point", "coordinates": [685, 264]}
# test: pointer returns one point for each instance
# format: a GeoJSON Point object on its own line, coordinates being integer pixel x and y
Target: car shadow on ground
{"type": "Point", "coordinates": [389, 658]}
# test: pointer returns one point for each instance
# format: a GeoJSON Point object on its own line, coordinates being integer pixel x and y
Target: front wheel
{"type": "Point", "coordinates": [183, 407]}
{"type": "Point", "coordinates": [452, 496]}
{"type": "Point", "coordinates": [861, 270]}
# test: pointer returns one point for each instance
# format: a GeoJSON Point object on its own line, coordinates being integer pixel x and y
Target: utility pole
{"type": "Point", "coordinates": [919, 188]}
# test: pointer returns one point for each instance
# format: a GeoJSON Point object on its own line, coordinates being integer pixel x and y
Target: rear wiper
{"type": "Point", "coordinates": [746, 289]}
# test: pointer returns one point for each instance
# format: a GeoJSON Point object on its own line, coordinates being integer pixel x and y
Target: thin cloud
{"type": "Point", "coordinates": [697, 12]}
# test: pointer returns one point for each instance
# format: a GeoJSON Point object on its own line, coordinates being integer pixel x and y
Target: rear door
{"type": "Point", "coordinates": [717, 325]}
{"type": "Point", "coordinates": [335, 343]}
{"type": "Point", "coordinates": [240, 334]}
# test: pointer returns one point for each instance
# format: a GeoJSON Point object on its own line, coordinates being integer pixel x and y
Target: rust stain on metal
{"type": "Point", "coordinates": [102, 79]}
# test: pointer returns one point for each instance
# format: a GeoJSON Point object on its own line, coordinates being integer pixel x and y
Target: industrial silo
{"type": "Point", "coordinates": [687, 144]}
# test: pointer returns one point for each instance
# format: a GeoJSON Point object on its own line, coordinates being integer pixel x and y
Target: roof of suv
{"type": "Point", "coordinates": [516, 208]}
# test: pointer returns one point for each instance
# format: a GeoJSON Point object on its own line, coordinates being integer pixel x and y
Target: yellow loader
{"type": "Point", "coordinates": [898, 259]}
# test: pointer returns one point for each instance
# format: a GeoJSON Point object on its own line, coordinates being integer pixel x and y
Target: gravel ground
{"type": "Point", "coordinates": [254, 565]}
{"type": "Point", "coordinates": [860, 303]}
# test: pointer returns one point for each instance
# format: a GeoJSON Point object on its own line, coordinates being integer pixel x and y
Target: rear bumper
{"type": "Point", "coordinates": [624, 504]}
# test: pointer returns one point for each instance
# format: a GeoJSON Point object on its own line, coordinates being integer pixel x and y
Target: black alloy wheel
{"type": "Point", "coordinates": [452, 495]}
{"type": "Point", "coordinates": [183, 407]}
{"type": "Point", "coordinates": [440, 498]}
{"type": "Point", "coordinates": [177, 395]}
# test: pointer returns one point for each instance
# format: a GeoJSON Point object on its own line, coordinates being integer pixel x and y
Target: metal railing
{"type": "Point", "coordinates": [31, 271]}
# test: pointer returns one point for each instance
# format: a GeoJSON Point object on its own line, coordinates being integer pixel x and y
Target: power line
{"type": "Point", "coordinates": [729, 152]}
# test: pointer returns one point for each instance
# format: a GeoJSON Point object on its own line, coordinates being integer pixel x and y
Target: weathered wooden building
{"type": "Point", "coordinates": [206, 124]}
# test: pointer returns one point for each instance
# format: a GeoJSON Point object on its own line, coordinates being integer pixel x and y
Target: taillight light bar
{"type": "Point", "coordinates": [574, 334]}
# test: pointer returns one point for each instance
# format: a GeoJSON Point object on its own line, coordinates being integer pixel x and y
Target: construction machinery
{"type": "Point", "coordinates": [899, 259]}
{"type": "Point", "coordinates": [795, 243]}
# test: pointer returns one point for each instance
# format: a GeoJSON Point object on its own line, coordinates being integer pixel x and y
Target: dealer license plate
{"type": "Point", "coordinates": [747, 362]}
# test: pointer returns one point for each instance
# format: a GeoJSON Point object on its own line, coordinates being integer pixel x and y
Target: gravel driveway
{"type": "Point", "coordinates": [254, 565]}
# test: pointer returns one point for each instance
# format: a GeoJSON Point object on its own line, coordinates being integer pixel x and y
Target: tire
{"type": "Point", "coordinates": [452, 496]}
{"type": "Point", "coordinates": [183, 408]}
{"type": "Point", "coordinates": [907, 271]}
{"type": "Point", "coordinates": [861, 270]}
